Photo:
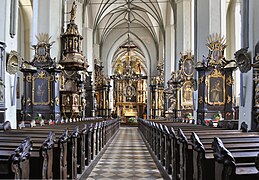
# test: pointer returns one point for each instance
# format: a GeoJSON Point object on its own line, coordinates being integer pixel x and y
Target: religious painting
{"type": "Point", "coordinates": [40, 89]}
{"type": "Point", "coordinates": [130, 93]}
{"type": "Point", "coordinates": [188, 67]}
{"type": "Point", "coordinates": [216, 88]}
{"type": "Point", "coordinates": [187, 91]}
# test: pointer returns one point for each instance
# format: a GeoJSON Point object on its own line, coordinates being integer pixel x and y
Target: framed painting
{"type": "Point", "coordinates": [40, 89]}
{"type": "Point", "coordinates": [187, 90]}
{"type": "Point", "coordinates": [216, 88]}
{"type": "Point", "coordinates": [188, 67]}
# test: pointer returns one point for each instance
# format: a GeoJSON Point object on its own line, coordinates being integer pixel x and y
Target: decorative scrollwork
{"type": "Point", "coordinates": [57, 101]}
{"type": "Point", "coordinates": [201, 79]}
{"type": "Point", "coordinates": [229, 99]}
{"type": "Point", "coordinates": [28, 101]}
{"type": "Point", "coordinates": [200, 100]}
{"type": "Point", "coordinates": [29, 78]}
{"type": "Point", "coordinates": [229, 81]}
{"type": "Point", "coordinates": [243, 60]}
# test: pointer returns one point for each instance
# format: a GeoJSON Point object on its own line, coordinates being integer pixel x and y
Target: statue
{"type": "Point", "coordinates": [73, 12]}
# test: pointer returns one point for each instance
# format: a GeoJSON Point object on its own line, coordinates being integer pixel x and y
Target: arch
{"type": "Point", "coordinates": [25, 17]}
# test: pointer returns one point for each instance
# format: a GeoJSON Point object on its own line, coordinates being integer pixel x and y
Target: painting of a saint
{"type": "Point", "coordinates": [187, 91]}
{"type": "Point", "coordinates": [188, 66]}
{"type": "Point", "coordinates": [216, 90]}
{"type": "Point", "coordinates": [41, 91]}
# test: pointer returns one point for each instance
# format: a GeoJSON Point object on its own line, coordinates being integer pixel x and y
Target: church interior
{"type": "Point", "coordinates": [129, 89]}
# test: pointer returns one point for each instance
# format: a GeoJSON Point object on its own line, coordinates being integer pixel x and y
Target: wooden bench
{"type": "Point", "coordinates": [235, 164]}
{"type": "Point", "coordinates": [14, 160]}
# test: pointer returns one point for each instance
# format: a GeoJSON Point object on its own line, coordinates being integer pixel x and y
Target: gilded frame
{"type": "Point", "coordinates": [216, 88]}
{"type": "Point", "coordinates": [40, 84]}
{"type": "Point", "coordinates": [187, 91]}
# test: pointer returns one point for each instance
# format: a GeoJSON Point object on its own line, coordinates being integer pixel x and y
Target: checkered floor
{"type": "Point", "coordinates": [127, 157]}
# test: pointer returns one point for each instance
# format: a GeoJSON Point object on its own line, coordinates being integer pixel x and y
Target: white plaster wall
{"type": "Point", "coordinates": [169, 51]}
{"type": "Point", "coordinates": [10, 114]}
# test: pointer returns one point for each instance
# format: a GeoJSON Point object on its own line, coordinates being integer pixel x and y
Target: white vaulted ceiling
{"type": "Point", "coordinates": [142, 22]}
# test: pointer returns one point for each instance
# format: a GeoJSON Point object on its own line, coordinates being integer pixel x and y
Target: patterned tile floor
{"type": "Point", "coordinates": [127, 157]}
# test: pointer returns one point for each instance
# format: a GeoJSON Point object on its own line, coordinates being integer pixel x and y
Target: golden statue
{"type": "Point", "coordinates": [137, 67]}
{"type": "Point", "coordinates": [73, 12]}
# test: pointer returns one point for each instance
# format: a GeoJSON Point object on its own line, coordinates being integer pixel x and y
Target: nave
{"type": "Point", "coordinates": [126, 157]}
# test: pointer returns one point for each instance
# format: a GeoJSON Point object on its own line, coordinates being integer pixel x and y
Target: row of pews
{"type": "Point", "coordinates": [188, 151]}
{"type": "Point", "coordinates": [60, 151]}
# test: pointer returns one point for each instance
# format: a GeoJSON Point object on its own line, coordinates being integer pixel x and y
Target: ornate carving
{"type": "Point", "coordinates": [229, 81]}
{"type": "Point", "coordinates": [28, 101]}
{"type": "Point", "coordinates": [224, 157]}
{"type": "Point", "coordinates": [29, 78]}
{"type": "Point", "coordinates": [57, 101]}
{"type": "Point", "coordinates": [229, 99]}
{"type": "Point", "coordinates": [21, 156]}
{"type": "Point", "coordinates": [200, 100]}
{"type": "Point", "coordinates": [47, 154]}
{"type": "Point", "coordinates": [228, 114]}
{"type": "Point", "coordinates": [14, 62]}
{"type": "Point", "coordinates": [243, 60]}
{"type": "Point", "coordinates": [42, 50]}
{"type": "Point", "coordinates": [216, 45]}
{"type": "Point", "coordinates": [201, 79]}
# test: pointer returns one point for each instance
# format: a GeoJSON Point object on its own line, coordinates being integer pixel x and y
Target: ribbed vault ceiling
{"type": "Point", "coordinates": [129, 16]}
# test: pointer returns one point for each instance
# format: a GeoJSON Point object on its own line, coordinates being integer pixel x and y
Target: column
{"type": "Point", "coordinates": [250, 27]}
{"type": "Point", "coordinates": [183, 27]}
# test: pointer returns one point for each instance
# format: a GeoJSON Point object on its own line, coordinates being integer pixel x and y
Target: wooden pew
{"type": "Point", "coordinates": [59, 151]}
{"type": "Point", "coordinates": [14, 161]}
{"type": "Point", "coordinates": [41, 159]}
{"type": "Point", "coordinates": [202, 148]}
{"type": "Point", "coordinates": [234, 165]}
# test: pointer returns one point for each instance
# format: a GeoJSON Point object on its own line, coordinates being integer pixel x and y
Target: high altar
{"type": "Point", "coordinates": [130, 90]}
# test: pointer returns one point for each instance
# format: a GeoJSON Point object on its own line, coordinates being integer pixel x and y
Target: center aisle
{"type": "Point", "coordinates": [127, 157]}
